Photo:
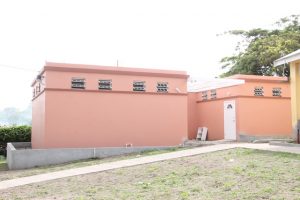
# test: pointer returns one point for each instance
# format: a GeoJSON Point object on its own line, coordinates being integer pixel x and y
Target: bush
{"type": "Point", "coordinates": [13, 134]}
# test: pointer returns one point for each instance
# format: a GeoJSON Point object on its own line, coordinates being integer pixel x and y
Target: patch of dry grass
{"type": "Point", "coordinates": [230, 174]}
{"type": "Point", "coordinates": [6, 174]}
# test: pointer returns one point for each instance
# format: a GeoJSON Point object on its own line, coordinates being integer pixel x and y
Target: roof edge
{"type": "Point", "coordinates": [288, 58]}
{"type": "Point", "coordinates": [113, 70]}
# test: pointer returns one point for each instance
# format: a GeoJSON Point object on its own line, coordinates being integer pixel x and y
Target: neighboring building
{"type": "Point", "coordinates": [94, 106]}
{"type": "Point", "coordinates": [294, 60]}
{"type": "Point", "coordinates": [246, 107]}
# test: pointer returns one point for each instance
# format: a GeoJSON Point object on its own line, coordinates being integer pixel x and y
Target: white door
{"type": "Point", "coordinates": [229, 120]}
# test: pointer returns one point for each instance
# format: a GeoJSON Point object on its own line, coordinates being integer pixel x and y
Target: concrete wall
{"type": "Point", "coordinates": [21, 158]}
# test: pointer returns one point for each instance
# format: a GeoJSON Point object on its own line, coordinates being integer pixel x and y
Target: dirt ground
{"type": "Point", "coordinates": [6, 174]}
{"type": "Point", "coordinates": [230, 174]}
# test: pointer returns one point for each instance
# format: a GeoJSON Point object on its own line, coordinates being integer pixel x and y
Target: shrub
{"type": "Point", "coordinates": [13, 134]}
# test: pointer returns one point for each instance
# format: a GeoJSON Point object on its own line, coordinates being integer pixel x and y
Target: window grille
{"type": "Point", "coordinates": [276, 92]}
{"type": "Point", "coordinates": [204, 95]}
{"type": "Point", "coordinates": [78, 83]}
{"type": "Point", "coordinates": [162, 87]}
{"type": "Point", "coordinates": [104, 85]}
{"type": "Point", "coordinates": [258, 91]}
{"type": "Point", "coordinates": [139, 86]}
{"type": "Point", "coordinates": [213, 94]}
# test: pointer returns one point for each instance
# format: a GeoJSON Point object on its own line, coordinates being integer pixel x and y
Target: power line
{"type": "Point", "coordinates": [18, 68]}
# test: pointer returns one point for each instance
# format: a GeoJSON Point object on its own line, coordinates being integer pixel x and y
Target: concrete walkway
{"type": "Point", "coordinates": [138, 161]}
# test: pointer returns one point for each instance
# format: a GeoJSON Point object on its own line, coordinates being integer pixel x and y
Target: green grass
{"type": "Point", "coordinates": [231, 174]}
{"type": "Point", "coordinates": [2, 163]}
{"type": "Point", "coordinates": [6, 174]}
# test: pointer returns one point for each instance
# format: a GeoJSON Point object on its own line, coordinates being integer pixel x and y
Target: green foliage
{"type": "Point", "coordinates": [259, 48]}
{"type": "Point", "coordinates": [13, 134]}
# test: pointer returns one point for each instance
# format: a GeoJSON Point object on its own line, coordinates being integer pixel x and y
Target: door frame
{"type": "Point", "coordinates": [232, 136]}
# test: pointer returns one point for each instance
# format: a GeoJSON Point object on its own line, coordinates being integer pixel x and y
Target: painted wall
{"type": "Point", "coordinates": [192, 115]}
{"type": "Point", "coordinates": [92, 118]}
{"type": "Point", "coordinates": [211, 115]}
{"type": "Point", "coordinates": [295, 100]}
{"type": "Point", "coordinates": [255, 116]}
{"type": "Point", "coordinates": [38, 121]}
{"type": "Point", "coordinates": [264, 116]}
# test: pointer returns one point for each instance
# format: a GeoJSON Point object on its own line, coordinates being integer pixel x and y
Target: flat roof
{"type": "Point", "coordinates": [203, 84]}
{"type": "Point", "coordinates": [294, 56]}
{"type": "Point", "coordinates": [85, 68]}
{"type": "Point", "coordinates": [113, 69]}
{"type": "Point", "coordinates": [258, 78]}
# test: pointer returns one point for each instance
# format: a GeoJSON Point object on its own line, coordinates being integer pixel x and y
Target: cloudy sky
{"type": "Point", "coordinates": [166, 34]}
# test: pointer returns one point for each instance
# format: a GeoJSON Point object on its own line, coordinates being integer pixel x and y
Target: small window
{"type": "Point", "coordinates": [139, 86]}
{"type": "Point", "coordinates": [258, 91]}
{"type": "Point", "coordinates": [204, 95]}
{"type": "Point", "coordinates": [162, 87]}
{"type": "Point", "coordinates": [78, 83]}
{"type": "Point", "coordinates": [213, 94]}
{"type": "Point", "coordinates": [104, 85]}
{"type": "Point", "coordinates": [33, 93]}
{"type": "Point", "coordinates": [276, 92]}
{"type": "Point", "coordinates": [38, 88]}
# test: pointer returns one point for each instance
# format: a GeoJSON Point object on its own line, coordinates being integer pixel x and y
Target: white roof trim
{"type": "Point", "coordinates": [200, 84]}
{"type": "Point", "coordinates": [288, 58]}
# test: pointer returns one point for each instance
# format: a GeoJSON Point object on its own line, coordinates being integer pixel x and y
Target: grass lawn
{"type": "Point", "coordinates": [2, 163]}
{"type": "Point", "coordinates": [231, 174]}
{"type": "Point", "coordinates": [5, 174]}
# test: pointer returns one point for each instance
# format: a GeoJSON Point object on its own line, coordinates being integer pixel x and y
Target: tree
{"type": "Point", "coordinates": [258, 49]}
{"type": "Point", "coordinates": [13, 116]}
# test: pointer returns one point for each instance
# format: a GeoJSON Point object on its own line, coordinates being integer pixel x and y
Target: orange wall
{"type": "Point", "coordinates": [264, 116]}
{"type": "Point", "coordinates": [192, 115]}
{"type": "Point", "coordinates": [38, 121]}
{"type": "Point", "coordinates": [247, 89]}
{"type": "Point", "coordinates": [211, 115]}
{"type": "Point", "coordinates": [62, 80]}
{"type": "Point", "coordinates": [255, 116]}
{"type": "Point", "coordinates": [92, 119]}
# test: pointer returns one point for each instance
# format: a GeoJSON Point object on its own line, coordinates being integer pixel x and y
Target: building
{"type": "Point", "coordinates": [95, 106]}
{"type": "Point", "coordinates": [293, 59]}
{"type": "Point", "coordinates": [79, 106]}
{"type": "Point", "coordinates": [243, 107]}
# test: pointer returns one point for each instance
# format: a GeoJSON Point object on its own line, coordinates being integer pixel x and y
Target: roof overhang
{"type": "Point", "coordinates": [294, 56]}
{"type": "Point", "coordinates": [203, 84]}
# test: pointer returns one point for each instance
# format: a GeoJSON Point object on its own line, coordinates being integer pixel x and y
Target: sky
{"type": "Point", "coordinates": [162, 34]}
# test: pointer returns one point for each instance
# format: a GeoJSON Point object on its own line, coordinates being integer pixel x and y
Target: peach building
{"type": "Point", "coordinates": [95, 106]}
{"type": "Point", "coordinates": [249, 108]}
{"type": "Point", "coordinates": [82, 106]}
